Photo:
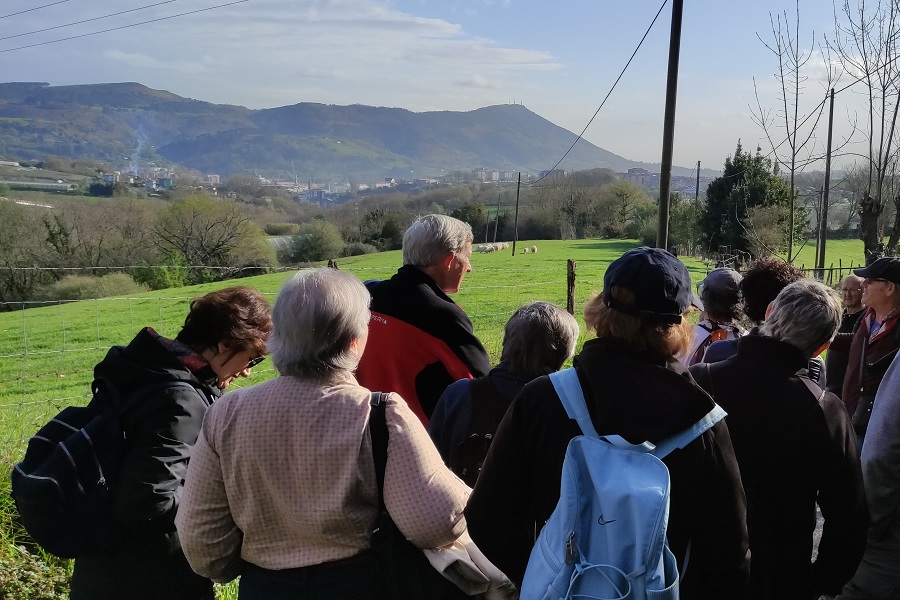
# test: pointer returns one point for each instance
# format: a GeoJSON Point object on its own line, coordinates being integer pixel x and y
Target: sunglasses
{"type": "Point", "coordinates": [255, 361]}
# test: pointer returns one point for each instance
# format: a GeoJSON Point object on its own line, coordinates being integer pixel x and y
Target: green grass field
{"type": "Point", "coordinates": [48, 352]}
{"type": "Point", "coordinates": [837, 253]}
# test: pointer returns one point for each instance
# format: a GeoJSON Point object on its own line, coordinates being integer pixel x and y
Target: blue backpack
{"type": "Point", "coordinates": [607, 536]}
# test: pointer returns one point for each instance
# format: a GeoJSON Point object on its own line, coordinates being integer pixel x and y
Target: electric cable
{"type": "Point", "coordinates": [75, 37]}
{"type": "Point", "coordinates": [596, 112]}
{"type": "Point", "coordinates": [86, 20]}
{"type": "Point", "coordinates": [21, 12]}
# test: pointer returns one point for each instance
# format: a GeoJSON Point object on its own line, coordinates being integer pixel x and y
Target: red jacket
{"type": "Point", "coordinates": [420, 342]}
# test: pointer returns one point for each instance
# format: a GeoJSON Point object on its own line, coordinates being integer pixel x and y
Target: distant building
{"type": "Point", "coordinates": [213, 178]}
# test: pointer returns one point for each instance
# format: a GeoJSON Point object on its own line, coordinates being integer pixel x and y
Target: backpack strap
{"type": "Point", "coordinates": [566, 384]}
{"type": "Point", "coordinates": [568, 389]}
{"type": "Point", "coordinates": [680, 440]}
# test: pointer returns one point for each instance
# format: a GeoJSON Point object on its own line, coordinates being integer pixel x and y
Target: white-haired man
{"type": "Point", "coordinates": [795, 447]}
{"type": "Point", "coordinates": [835, 360]}
{"type": "Point", "coordinates": [874, 341]}
{"type": "Point", "coordinates": [420, 341]}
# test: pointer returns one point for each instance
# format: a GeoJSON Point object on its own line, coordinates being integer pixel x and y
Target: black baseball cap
{"type": "Point", "coordinates": [883, 268]}
{"type": "Point", "coordinates": [659, 281]}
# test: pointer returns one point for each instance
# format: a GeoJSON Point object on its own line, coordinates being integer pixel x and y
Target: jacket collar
{"type": "Point", "coordinates": [782, 357]}
{"type": "Point", "coordinates": [417, 276]}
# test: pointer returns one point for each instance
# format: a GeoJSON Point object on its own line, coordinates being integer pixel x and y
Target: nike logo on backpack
{"type": "Point", "coordinates": [603, 521]}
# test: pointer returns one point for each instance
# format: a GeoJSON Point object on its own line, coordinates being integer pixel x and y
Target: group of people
{"type": "Point", "coordinates": [275, 483]}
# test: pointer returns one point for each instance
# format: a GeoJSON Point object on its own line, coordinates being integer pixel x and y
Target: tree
{"type": "Point", "coordinates": [211, 233]}
{"type": "Point", "coordinates": [475, 215]}
{"type": "Point", "coordinates": [618, 205]}
{"type": "Point", "coordinates": [798, 149]}
{"type": "Point", "coordinates": [317, 240]}
{"type": "Point", "coordinates": [21, 251]}
{"type": "Point", "coordinates": [868, 45]}
{"type": "Point", "coordinates": [747, 181]}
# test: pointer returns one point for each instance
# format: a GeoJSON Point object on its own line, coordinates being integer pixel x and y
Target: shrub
{"type": "Point", "coordinates": [170, 274]}
{"type": "Point", "coordinates": [316, 240]}
{"type": "Point", "coordinates": [282, 228]}
{"type": "Point", "coordinates": [84, 287]}
{"type": "Point", "coordinates": [358, 248]}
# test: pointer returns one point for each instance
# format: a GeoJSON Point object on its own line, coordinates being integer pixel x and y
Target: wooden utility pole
{"type": "Point", "coordinates": [516, 220]}
{"type": "Point", "coordinates": [665, 175]}
{"type": "Point", "coordinates": [697, 185]}
{"type": "Point", "coordinates": [497, 217]}
{"type": "Point", "coordinates": [823, 222]}
{"type": "Point", "coordinates": [570, 286]}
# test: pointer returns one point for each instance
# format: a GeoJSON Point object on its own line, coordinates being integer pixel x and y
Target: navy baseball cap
{"type": "Point", "coordinates": [659, 281]}
{"type": "Point", "coordinates": [884, 268]}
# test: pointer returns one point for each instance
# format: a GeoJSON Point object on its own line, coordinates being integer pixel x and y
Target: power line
{"type": "Point", "coordinates": [75, 37]}
{"type": "Point", "coordinates": [21, 12]}
{"type": "Point", "coordinates": [596, 112]}
{"type": "Point", "coordinates": [86, 20]}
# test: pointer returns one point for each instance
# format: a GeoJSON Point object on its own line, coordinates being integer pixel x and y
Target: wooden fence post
{"type": "Point", "coordinates": [570, 291]}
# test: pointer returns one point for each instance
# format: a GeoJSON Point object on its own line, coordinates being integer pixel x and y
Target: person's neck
{"type": "Point", "coordinates": [883, 312]}
{"type": "Point", "coordinates": [852, 310]}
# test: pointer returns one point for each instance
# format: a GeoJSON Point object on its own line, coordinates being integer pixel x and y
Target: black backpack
{"type": "Point", "coordinates": [63, 487]}
{"type": "Point", "coordinates": [488, 408]}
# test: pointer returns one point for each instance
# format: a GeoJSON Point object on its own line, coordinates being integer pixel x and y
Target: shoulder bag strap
{"type": "Point", "coordinates": [379, 432]}
{"type": "Point", "coordinates": [813, 387]}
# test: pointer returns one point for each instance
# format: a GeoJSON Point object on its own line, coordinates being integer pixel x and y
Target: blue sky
{"type": "Point", "coordinates": [559, 59]}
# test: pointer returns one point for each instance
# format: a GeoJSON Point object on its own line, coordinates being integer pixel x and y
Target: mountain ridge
{"type": "Point", "coordinates": [130, 125]}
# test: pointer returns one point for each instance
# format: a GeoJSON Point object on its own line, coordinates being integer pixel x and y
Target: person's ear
{"type": "Point", "coordinates": [447, 262]}
{"type": "Point", "coordinates": [769, 308]}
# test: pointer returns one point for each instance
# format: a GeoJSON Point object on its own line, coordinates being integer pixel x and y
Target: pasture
{"type": "Point", "coordinates": [47, 353]}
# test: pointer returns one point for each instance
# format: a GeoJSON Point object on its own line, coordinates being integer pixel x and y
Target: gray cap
{"type": "Point", "coordinates": [722, 282]}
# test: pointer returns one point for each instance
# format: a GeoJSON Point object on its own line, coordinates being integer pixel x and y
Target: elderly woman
{"type": "Point", "coordinates": [165, 386]}
{"type": "Point", "coordinates": [636, 388]}
{"type": "Point", "coordinates": [537, 340]}
{"type": "Point", "coordinates": [282, 487]}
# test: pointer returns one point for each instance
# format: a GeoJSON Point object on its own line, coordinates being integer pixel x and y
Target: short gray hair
{"type": "Point", "coordinates": [317, 314]}
{"type": "Point", "coordinates": [431, 237]}
{"type": "Point", "coordinates": [805, 314]}
{"type": "Point", "coordinates": [538, 339]}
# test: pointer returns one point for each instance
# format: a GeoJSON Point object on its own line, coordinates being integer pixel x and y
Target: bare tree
{"type": "Point", "coordinates": [868, 47]}
{"type": "Point", "coordinates": [798, 148]}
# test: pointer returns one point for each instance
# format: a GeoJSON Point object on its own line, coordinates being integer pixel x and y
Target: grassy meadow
{"type": "Point", "coordinates": [47, 353]}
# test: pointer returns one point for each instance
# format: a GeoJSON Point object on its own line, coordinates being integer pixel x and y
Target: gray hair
{"type": "Point", "coordinates": [317, 314]}
{"type": "Point", "coordinates": [430, 238]}
{"type": "Point", "coordinates": [805, 314]}
{"type": "Point", "coordinates": [538, 339]}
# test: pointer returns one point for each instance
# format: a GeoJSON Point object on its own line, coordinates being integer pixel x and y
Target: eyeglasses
{"type": "Point", "coordinates": [873, 279]}
{"type": "Point", "coordinates": [859, 289]}
{"type": "Point", "coordinates": [255, 361]}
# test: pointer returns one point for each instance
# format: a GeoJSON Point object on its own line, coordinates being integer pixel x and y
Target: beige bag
{"type": "Point", "coordinates": [470, 570]}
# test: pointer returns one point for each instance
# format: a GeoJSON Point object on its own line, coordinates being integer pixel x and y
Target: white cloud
{"type": "Point", "coordinates": [477, 81]}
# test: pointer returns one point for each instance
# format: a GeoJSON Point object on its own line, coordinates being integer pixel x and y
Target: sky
{"type": "Point", "coordinates": [558, 59]}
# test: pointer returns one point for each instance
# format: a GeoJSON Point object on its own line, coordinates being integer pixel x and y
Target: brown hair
{"type": "Point", "coordinates": [664, 339]}
{"type": "Point", "coordinates": [238, 316]}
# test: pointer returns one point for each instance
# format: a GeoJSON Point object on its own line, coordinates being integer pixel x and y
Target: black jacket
{"type": "Point", "coordinates": [836, 360]}
{"type": "Point", "coordinates": [794, 451]}
{"type": "Point", "coordinates": [420, 341]}
{"type": "Point", "coordinates": [641, 398]}
{"type": "Point", "coordinates": [160, 429]}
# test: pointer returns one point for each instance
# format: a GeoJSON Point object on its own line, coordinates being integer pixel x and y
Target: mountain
{"type": "Point", "coordinates": [130, 125]}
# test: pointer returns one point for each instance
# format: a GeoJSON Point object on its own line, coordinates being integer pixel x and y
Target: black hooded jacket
{"type": "Point", "coordinates": [163, 393]}
{"type": "Point", "coordinates": [641, 398]}
{"type": "Point", "coordinates": [795, 450]}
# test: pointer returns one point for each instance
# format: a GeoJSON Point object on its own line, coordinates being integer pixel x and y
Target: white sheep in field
{"type": "Point", "coordinates": [525, 250]}
{"type": "Point", "coordinates": [534, 249]}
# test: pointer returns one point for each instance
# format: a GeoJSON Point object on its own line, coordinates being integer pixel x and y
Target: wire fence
{"type": "Point", "coordinates": [48, 352]}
